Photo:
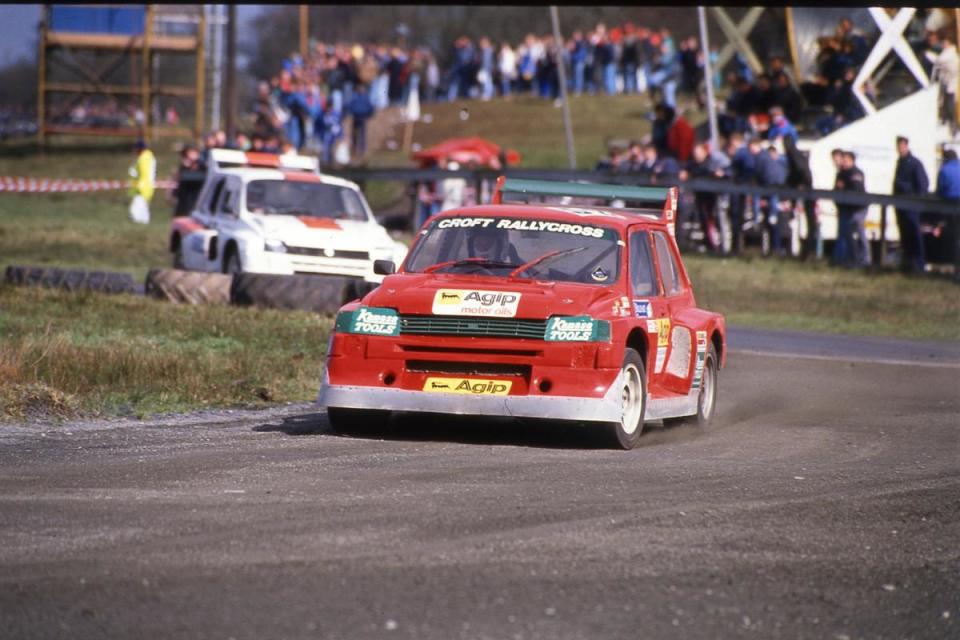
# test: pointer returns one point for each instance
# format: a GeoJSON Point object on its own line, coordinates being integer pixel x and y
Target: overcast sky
{"type": "Point", "coordinates": [18, 28]}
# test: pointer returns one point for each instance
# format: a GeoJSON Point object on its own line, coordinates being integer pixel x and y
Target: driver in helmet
{"type": "Point", "coordinates": [492, 245]}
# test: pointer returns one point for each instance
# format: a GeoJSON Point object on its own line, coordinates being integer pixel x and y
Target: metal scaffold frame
{"type": "Point", "coordinates": [140, 51]}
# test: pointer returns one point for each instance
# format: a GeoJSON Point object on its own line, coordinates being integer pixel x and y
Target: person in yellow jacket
{"type": "Point", "coordinates": [143, 176]}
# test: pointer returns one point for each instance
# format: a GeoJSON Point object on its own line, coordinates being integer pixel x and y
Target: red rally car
{"type": "Point", "coordinates": [542, 310]}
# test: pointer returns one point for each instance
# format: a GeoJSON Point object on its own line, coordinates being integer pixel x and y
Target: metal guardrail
{"type": "Point", "coordinates": [923, 204]}
{"type": "Point", "coordinates": [926, 204]}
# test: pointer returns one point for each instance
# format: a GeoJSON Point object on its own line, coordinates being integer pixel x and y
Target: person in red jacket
{"type": "Point", "coordinates": [680, 139]}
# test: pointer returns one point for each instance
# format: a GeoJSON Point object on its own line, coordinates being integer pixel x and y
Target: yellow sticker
{"type": "Point", "coordinates": [663, 332]}
{"type": "Point", "coordinates": [468, 386]}
{"type": "Point", "coordinates": [448, 296]}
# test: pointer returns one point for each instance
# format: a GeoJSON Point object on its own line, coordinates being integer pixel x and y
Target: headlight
{"type": "Point", "coordinates": [577, 329]}
{"type": "Point", "coordinates": [274, 245]}
{"type": "Point", "coordinates": [374, 321]}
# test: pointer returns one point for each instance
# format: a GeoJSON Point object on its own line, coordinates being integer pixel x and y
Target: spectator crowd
{"type": "Point", "coordinates": [311, 101]}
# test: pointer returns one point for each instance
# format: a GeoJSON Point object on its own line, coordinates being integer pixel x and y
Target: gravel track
{"type": "Point", "coordinates": [825, 504]}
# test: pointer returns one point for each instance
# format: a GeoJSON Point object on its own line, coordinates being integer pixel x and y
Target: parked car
{"type": "Point", "coordinates": [563, 312]}
{"type": "Point", "coordinates": [267, 213]}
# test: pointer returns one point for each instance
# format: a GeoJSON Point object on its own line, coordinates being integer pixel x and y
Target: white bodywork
{"type": "Point", "coordinates": [873, 139]}
{"type": "Point", "coordinates": [280, 244]}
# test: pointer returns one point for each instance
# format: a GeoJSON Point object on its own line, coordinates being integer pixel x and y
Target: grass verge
{"type": "Point", "coordinates": [63, 353]}
{"type": "Point", "coordinates": [784, 294]}
{"type": "Point", "coordinates": [66, 353]}
{"type": "Point", "coordinates": [82, 230]}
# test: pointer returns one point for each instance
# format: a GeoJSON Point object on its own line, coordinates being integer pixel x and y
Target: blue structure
{"type": "Point", "coordinates": [125, 21]}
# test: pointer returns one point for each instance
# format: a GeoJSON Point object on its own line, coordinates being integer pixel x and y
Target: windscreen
{"type": "Point", "coordinates": [519, 248]}
{"type": "Point", "coordinates": [287, 197]}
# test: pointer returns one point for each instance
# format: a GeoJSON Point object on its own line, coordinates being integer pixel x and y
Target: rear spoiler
{"type": "Point", "coordinates": [223, 158]}
{"type": "Point", "coordinates": [664, 197]}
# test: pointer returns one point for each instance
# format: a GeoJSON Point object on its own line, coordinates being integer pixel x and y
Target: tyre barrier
{"type": "Point", "coordinates": [321, 294]}
{"type": "Point", "coordinates": [188, 287]}
{"type": "Point", "coordinates": [71, 279]}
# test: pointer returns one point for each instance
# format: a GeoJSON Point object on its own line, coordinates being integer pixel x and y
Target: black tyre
{"type": "Point", "coordinates": [707, 401]}
{"type": "Point", "coordinates": [231, 264]}
{"type": "Point", "coordinates": [356, 421]}
{"type": "Point", "coordinates": [356, 290]}
{"type": "Point", "coordinates": [633, 398]}
{"type": "Point", "coordinates": [178, 255]}
{"type": "Point", "coordinates": [318, 293]}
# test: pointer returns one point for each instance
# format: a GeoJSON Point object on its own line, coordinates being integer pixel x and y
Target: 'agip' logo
{"type": "Point", "coordinates": [468, 386]}
{"type": "Point", "coordinates": [445, 296]}
{"type": "Point", "coordinates": [466, 302]}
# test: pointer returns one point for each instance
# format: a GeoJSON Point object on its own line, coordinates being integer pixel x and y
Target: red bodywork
{"type": "Point", "coordinates": [466, 151]}
{"type": "Point", "coordinates": [537, 367]}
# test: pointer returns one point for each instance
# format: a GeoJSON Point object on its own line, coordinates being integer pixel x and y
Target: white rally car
{"type": "Point", "coordinates": [265, 213]}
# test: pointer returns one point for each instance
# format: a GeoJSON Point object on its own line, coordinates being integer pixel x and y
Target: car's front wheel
{"type": "Point", "coordinates": [356, 421]}
{"type": "Point", "coordinates": [178, 254]}
{"type": "Point", "coordinates": [232, 264]}
{"type": "Point", "coordinates": [633, 401]}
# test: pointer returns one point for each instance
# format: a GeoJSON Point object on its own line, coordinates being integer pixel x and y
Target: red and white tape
{"type": "Point", "coordinates": [20, 184]}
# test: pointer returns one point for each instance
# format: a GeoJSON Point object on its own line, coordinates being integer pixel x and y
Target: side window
{"type": "Point", "coordinates": [208, 205]}
{"type": "Point", "coordinates": [668, 265]}
{"type": "Point", "coordinates": [641, 266]}
{"type": "Point", "coordinates": [227, 202]}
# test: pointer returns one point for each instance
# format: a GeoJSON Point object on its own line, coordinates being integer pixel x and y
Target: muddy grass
{"type": "Point", "coordinates": [66, 354]}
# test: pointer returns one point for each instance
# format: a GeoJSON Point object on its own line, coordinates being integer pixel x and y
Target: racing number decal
{"type": "Point", "coordinates": [660, 326]}
{"type": "Point", "coordinates": [663, 333]}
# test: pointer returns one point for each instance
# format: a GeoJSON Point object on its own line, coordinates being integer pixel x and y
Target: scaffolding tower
{"type": "Point", "coordinates": [108, 52]}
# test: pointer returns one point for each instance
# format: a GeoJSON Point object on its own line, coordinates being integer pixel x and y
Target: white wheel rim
{"type": "Point", "coordinates": [707, 392]}
{"type": "Point", "coordinates": [631, 399]}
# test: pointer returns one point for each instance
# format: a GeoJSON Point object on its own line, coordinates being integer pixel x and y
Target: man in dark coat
{"type": "Point", "coordinates": [851, 178]}
{"type": "Point", "coordinates": [910, 179]}
{"type": "Point", "coordinates": [843, 247]}
{"type": "Point", "coordinates": [743, 169]}
{"type": "Point", "coordinates": [800, 177]}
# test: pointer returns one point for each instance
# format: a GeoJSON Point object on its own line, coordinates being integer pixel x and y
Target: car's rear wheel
{"type": "Point", "coordinates": [707, 400]}
{"type": "Point", "coordinates": [633, 401]}
{"type": "Point", "coordinates": [356, 421]}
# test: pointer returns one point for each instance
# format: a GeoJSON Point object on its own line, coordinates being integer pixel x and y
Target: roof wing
{"type": "Point", "coordinates": [224, 158]}
{"type": "Point", "coordinates": [662, 196]}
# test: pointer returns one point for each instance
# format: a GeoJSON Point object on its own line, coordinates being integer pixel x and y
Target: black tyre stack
{"type": "Point", "coordinates": [70, 279]}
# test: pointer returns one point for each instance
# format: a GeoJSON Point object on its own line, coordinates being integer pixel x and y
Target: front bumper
{"type": "Point", "coordinates": [289, 264]}
{"type": "Point", "coordinates": [603, 409]}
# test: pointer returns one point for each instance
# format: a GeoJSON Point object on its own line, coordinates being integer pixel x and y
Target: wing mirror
{"type": "Point", "coordinates": [384, 267]}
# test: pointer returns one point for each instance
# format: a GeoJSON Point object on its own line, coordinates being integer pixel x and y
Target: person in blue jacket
{"type": "Point", "coordinates": [361, 108]}
{"type": "Point", "coordinates": [948, 178]}
{"type": "Point", "coordinates": [948, 188]}
{"type": "Point", "coordinates": [772, 171]}
{"type": "Point", "coordinates": [780, 127]}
